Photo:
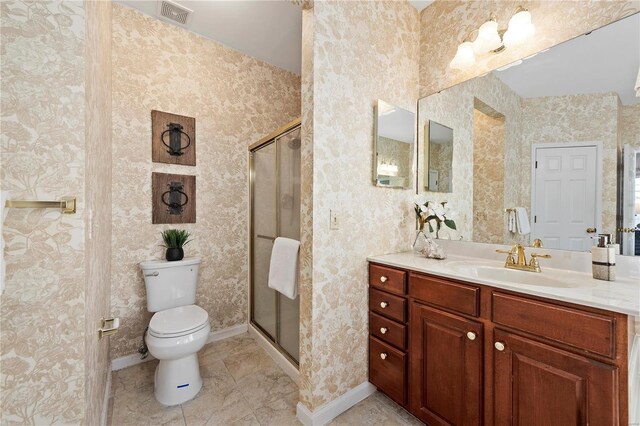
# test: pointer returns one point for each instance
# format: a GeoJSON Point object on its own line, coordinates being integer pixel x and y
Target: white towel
{"type": "Point", "coordinates": [522, 221]}
{"type": "Point", "coordinates": [283, 269]}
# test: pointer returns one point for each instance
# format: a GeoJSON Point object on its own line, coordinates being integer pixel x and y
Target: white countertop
{"type": "Point", "coordinates": [622, 295]}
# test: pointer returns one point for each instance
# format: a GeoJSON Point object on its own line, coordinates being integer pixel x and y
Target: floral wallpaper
{"type": "Point", "coordinates": [489, 220]}
{"type": "Point", "coordinates": [338, 99]}
{"type": "Point", "coordinates": [236, 100]}
{"type": "Point", "coordinates": [43, 157]}
{"type": "Point", "coordinates": [630, 125]}
{"type": "Point", "coordinates": [98, 200]}
{"type": "Point", "coordinates": [446, 24]}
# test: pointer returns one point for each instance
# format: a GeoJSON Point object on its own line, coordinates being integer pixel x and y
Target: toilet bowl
{"type": "Point", "coordinates": [178, 328]}
{"type": "Point", "coordinates": [174, 337]}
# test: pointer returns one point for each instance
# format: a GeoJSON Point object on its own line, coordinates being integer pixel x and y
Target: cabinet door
{"type": "Point", "coordinates": [446, 367]}
{"type": "Point", "coordinates": [536, 384]}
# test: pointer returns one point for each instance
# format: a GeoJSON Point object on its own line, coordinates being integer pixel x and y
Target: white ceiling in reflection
{"type": "Point", "coordinates": [606, 60]}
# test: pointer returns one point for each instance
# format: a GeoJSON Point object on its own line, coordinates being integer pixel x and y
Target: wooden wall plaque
{"type": "Point", "coordinates": [169, 128]}
{"type": "Point", "coordinates": [174, 198]}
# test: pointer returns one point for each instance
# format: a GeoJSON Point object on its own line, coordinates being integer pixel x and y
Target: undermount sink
{"type": "Point", "coordinates": [558, 279]}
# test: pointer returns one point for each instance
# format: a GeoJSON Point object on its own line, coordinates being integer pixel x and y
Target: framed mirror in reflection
{"type": "Point", "coordinates": [394, 149]}
{"type": "Point", "coordinates": [546, 148]}
{"type": "Point", "coordinates": [438, 153]}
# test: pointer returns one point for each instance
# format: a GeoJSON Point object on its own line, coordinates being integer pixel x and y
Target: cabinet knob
{"type": "Point", "coordinates": [383, 355]}
{"type": "Point", "coordinates": [384, 330]}
{"type": "Point", "coordinates": [383, 279]}
{"type": "Point", "coordinates": [471, 335]}
{"type": "Point", "coordinates": [384, 304]}
{"type": "Point", "coordinates": [499, 346]}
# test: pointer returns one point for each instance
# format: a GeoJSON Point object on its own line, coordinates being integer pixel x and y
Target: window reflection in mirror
{"type": "Point", "coordinates": [394, 146]}
{"type": "Point", "coordinates": [438, 157]}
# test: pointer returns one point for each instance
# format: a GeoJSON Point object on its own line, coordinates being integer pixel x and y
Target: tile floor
{"type": "Point", "coordinates": [242, 386]}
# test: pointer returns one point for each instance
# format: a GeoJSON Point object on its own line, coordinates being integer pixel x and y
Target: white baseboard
{"type": "Point", "coordinates": [105, 402]}
{"type": "Point", "coordinates": [329, 411]}
{"type": "Point", "coordinates": [286, 365]}
{"type": "Point", "coordinates": [214, 336]}
{"type": "Point", "coordinates": [227, 332]}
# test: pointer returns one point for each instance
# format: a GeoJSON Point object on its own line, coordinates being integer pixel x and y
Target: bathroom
{"type": "Point", "coordinates": [79, 82]}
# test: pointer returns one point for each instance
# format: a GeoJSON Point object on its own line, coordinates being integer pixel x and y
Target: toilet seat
{"type": "Point", "coordinates": [178, 322]}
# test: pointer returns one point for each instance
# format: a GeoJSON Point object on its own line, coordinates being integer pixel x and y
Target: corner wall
{"type": "Point", "coordinates": [362, 51]}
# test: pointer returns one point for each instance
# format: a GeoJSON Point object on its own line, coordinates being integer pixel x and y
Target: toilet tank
{"type": "Point", "coordinates": [170, 284]}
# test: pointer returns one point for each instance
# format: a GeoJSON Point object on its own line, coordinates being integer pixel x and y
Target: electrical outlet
{"type": "Point", "coordinates": [333, 220]}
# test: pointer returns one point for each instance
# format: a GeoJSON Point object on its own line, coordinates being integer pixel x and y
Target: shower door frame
{"type": "Point", "coordinates": [265, 141]}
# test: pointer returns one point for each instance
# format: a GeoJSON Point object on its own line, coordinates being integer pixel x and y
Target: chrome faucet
{"type": "Point", "coordinates": [516, 259]}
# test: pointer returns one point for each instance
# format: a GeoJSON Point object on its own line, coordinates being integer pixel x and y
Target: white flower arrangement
{"type": "Point", "coordinates": [433, 214]}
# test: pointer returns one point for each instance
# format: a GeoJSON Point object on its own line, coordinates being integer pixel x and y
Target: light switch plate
{"type": "Point", "coordinates": [333, 220]}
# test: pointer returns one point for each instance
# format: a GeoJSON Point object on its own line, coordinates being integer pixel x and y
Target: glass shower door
{"type": "Point", "coordinates": [275, 212]}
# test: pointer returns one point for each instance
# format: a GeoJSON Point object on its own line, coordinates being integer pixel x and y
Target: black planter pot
{"type": "Point", "coordinates": [174, 254]}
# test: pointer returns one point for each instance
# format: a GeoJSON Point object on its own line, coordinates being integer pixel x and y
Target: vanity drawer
{"type": "Point", "coordinates": [386, 304]}
{"type": "Point", "coordinates": [446, 294]}
{"type": "Point", "coordinates": [583, 330]}
{"type": "Point", "coordinates": [388, 331]}
{"type": "Point", "coordinates": [388, 279]}
{"type": "Point", "coordinates": [388, 370]}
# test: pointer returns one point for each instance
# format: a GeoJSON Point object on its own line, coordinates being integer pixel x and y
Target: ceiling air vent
{"type": "Point", "coordinates": [174, 13]}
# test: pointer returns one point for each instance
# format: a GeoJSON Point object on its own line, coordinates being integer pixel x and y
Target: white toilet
{"type": "Point", "coordinates": [177, 330]}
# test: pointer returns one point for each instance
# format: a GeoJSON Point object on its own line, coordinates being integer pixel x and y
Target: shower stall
{"type": "Point", "coordinates": [274, 212]}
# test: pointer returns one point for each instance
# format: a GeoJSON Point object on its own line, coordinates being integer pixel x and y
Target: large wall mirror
{"type": "Point", "coordinates": [394, 149]}
{"type": "Point", "coordinates": [547, 147]}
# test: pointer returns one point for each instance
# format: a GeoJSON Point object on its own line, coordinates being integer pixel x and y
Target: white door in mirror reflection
{"type": "Point", "coordinates": [565, 203]}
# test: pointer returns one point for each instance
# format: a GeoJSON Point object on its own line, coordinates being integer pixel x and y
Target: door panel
{"type": "Point", "coordinates": [538, 385]}
{"type": "Point", "coordinates": [446, 366]}
{"type": "Point", "coordinates": [564, 202]}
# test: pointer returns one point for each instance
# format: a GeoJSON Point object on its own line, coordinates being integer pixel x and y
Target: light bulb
{"type": "Point", "coordinates": [520, 28]}
{"type": "Point", "coordinates": [464, 58]}
{"type": "Point", "coordinates": [488, 38]}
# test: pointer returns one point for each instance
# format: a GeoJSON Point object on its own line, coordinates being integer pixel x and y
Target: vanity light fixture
{"type": "Point", "coordinates": [385, 169]}
{"type": "Point", "coordinates": [491, 39]}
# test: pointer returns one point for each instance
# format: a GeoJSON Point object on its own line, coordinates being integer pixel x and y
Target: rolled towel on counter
{"type": "Point", "coordinates": [283, 269]}
{"type": "Point", "coordinates": [522, 221]}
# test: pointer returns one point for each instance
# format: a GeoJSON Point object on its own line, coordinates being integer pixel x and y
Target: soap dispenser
{"type": "Point", "coordinates": [603, 259]}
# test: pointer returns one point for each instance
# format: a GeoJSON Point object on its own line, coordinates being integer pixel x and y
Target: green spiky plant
{"type": "Point", "coordinates": [175, 238]}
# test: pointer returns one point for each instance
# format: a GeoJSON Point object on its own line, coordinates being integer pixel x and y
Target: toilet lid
{"type": "Point", "coordinates": [178, 321]}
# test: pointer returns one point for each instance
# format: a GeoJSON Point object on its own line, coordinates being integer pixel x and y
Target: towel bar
{"type": "Point", "coordinates": [67, 205]}
{"type": "Point", "coordinates": [509, 210]}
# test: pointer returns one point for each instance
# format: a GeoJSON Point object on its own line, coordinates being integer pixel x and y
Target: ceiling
{"type": "Point", "coordinates": [269, 30]}
{"type": "Point", "coordinates": [606, 60]}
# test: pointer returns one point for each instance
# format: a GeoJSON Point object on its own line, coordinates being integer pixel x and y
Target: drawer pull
{"type": "Point", "coordinates": [383, 279]}
{"type": "Point", "coordinates": [384, 330]}
{"type": "Point", "coordinates": [499, 346]}
{"type": "Point", "coordinates": [471, 335]}
{"type": "Point", "coordinates": [383, 356]}
{"type": "Point", "coordinates": [384, 304]}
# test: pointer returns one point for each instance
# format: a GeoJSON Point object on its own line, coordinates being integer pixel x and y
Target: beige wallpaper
{"type": "Point", "coordinates": [98, 199]}
{"type": "Point", "coordinates": [236, 100]}
{"type": "Point", "coordinates": [372, 220]}
{"type": "Point", "coordinates": [446, 23]}
{"type": "Point", "coordinates": [489, 220]}
{"type": "Point", "coordinates": [630, 125]}
{"type": "Point", "coordinates": [43, 107]}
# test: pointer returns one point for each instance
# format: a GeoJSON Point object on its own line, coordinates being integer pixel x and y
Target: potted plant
{"type": "Point", "coordinates": [174, 240]}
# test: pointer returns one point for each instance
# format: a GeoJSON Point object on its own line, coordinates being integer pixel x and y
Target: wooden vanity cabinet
{"type": "Point", "coordinates": [478, 355]}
